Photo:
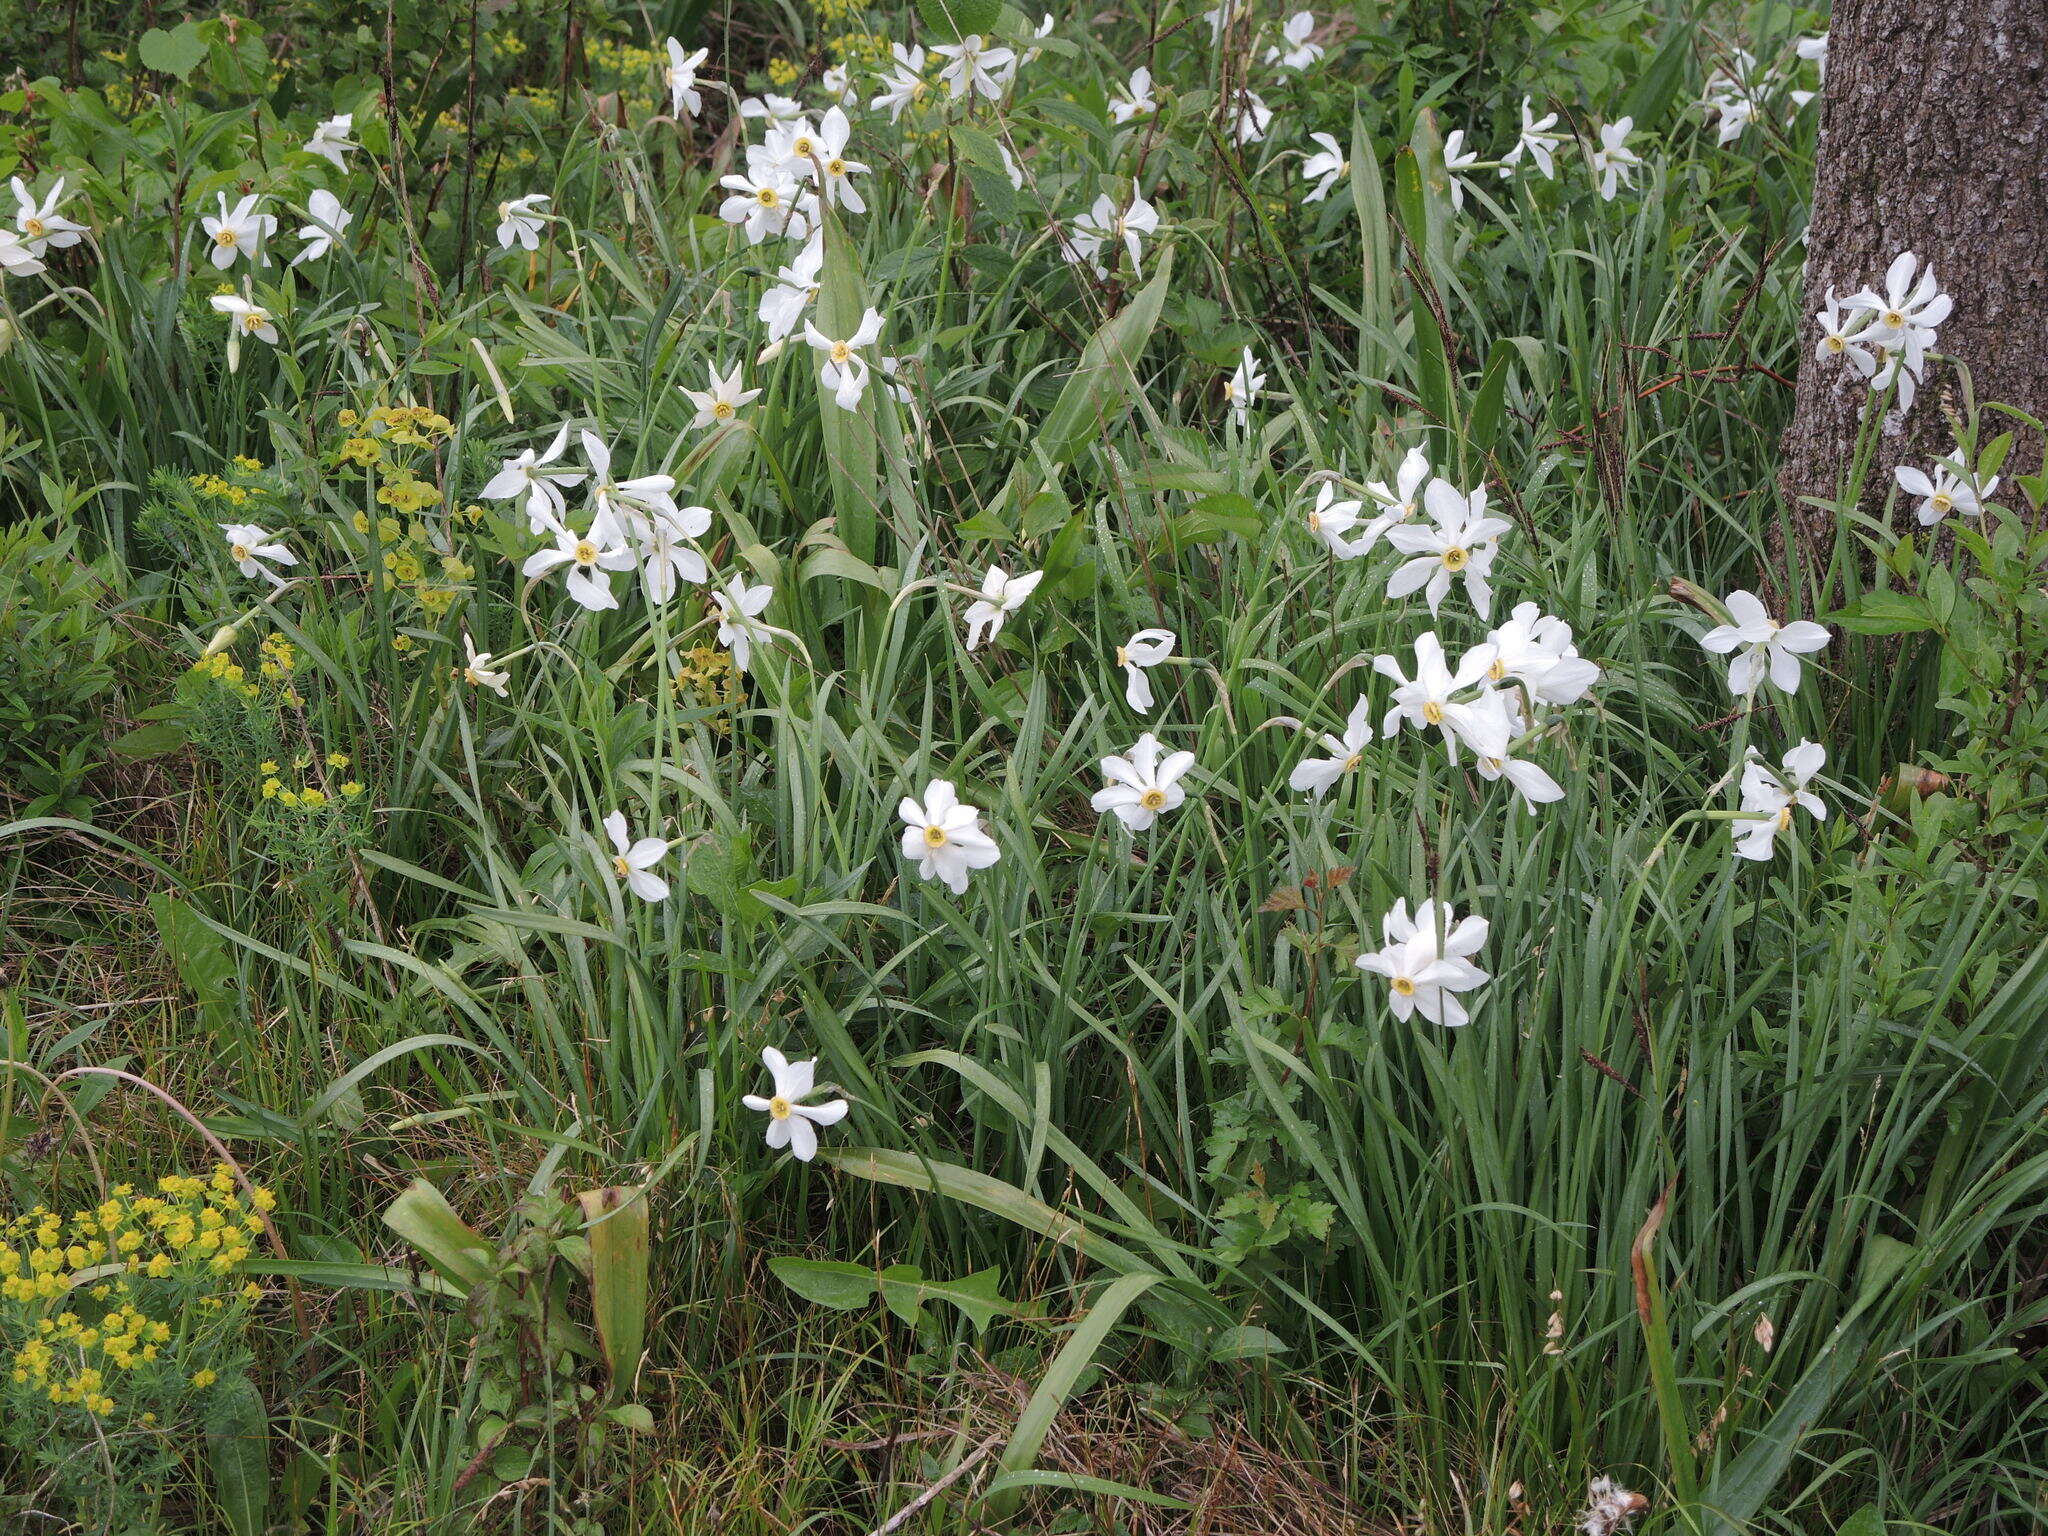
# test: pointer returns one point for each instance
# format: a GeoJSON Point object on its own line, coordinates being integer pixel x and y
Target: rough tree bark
{"type": "Point", "coordinates": [1933, 139]}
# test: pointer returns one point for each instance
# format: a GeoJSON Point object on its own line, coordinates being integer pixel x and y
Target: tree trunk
{"type": "Point", "coordinates": [1933, 139]}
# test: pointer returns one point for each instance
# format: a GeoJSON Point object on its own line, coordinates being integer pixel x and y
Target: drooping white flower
{"type": "Point", "coordinates": [331, 142]}
{"type": "Point", "coordinates": [1147, 648]}
{"type": "Point", "coordinates": [1845, 333]}
{"type": "Point", "coordinates": [904, 84]}
{"type": "Point", "coordinates": [681, 73]}
{"type": "Point", "coordinates": [1253, 118]}
{"type": "Point", "coordinates": [16, 259]}
{"type": "Point", "coordinates": [1530, 780]}
{"type": "Point", "coordinates": [1426, 969]}
{"type": "Point", "coordinates": [1133, 99]}
{"type": "Point", "coordinates": [238, 233]}
{"type": "Point", "coordinates": [633, 862]}
{"type": "Point", "coordinates": [837, 171]}
{"type": "Point", "coordinates": [1325, 168]}
{"type": "Point", "coordinates": [1242, 388]}
{"type": "Point", "coordinates": [1948, 489]}
{"type": "Point", "coordinates": [41, 227]}
{"type": "Point", "coordinates": [765, 201]}
{"type": "Point", "coordinates": [1397, 502]}
{"type": "Point", "coordinates": [255, 552]}
{"type": "Point", "coordinates": [1733, 107]}
{"type": "Point", "coordinates": [245, 318]}
{"type": "Point", "coordinates": [588, 558]}
{"type": "Point", "coordinates": [943, 838]}
{"type": "Point", "coordinates": [1038, 35]}
{"type": "Point", "coordinates": [1766, 645]}
{"type": "Point", "coordinates": [1298, 52]}
{"type": "Point", "coordinates": [1143, 785]}
{"type": "Point", "coordinates": [739, 610]}
{"type": "Point", "coordinates": [537, 480]}
{"type": "Point", "coordinates": [1431, 698]}
{"type": "Point", "coordinates": [329, 220]}
{"type": "Point", "coordinates": [1105, 225]}
{"type": "Point", "coordinates": [771, 109]}
{"type": "Point", "coordinates": [1330, 520]}
{"type": "Point", "coordinates": [521, 220]}
{"type": "Point", "coordinates": [1614, 163]}
{"type": "Point", "coordinates": [972, 68]}
{"type": "Point", "coordinates": [1458, 160]}
{"type": "Point", "coordinates": [1768, 798]}
{"type": "Point", "coordinates": [1458, 540]}
{"type": "Point", "coordinates": [1317, 775]}
{"type": "Point", "coordinates": [1011, 168]}
{"type": "Point", "coordinates": [666, 557]}
{"type": "Point", "coordinates": [792, 1124]}
{"type": "Point", "coordinates": [844, 371]}
{"type": "Point", "coordinates": [1538, 140]}
{"type": "Point", "coordinates": [1001, 595]}
{"type": "Point", "coordinates": [1815, 51]}
{"type": "Point", "coordinates": [794, 287]}
{"type": "Point", "coordinates": [722, 401]}
{"type": "Point", "coordinates": [1536, 650]}
{"type": "Point", "coordinates": [476, 668]}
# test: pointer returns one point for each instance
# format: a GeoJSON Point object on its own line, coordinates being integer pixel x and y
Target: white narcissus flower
{"type": "Point", "coordinates": [1425, 969]}
{"type": "Point", "coordinates": [1768, 798]}
{"type": "Point", "coordinates": [794, 287]}
{"type": "Point", "coordinates": [1397, 502]}
{"type": "Point", "coordinates": [330, 140]}
{"type": "Point", "coordinates": [1242, 388]}
{"type": "Point", "coordinates": [1905, 305]}
{"type": "Point", "coordinates": [633, 862]}
{"type": "Point", "coordinates": [973, 69]}
{"type": "Point", "coordinates": [1845, 333]}
{"type": "Point", "coordinates": [739, 611]}
{"type": "Point", "coordinates": [329, 220]}
{"type": "Point", "coordinates": [1538, 141]}
{"type": "Point", "coordinates": [838, 171]}
{"type": "Point", "coordinates": [476, 668]}
{"type": "Point", "coordinates": [837, 82]}
{"type": "Point", "coordinates": [1531, 781]}
{"type": "Point", "coordinates": [625, 504]}
{"type": "Point", "coordinates": [1457, 160]}
{"type": "Point", "coordinates": [1043, 31]}
{"type": "Point", "coordinates": [1106, 225]}
{"type": "Point", "coordinates": [943, 838]}
{"type": "Point", "coordinates": [1133, 99]}
{"type": "Point", "coordinates": [1147, 648]}
{"type": "Point", "coordinates": [665, 556]}
{"type": "Point", "coordinates": [1330, 520]}
{"type": "Point", "coordinates": [1766, 645]}
{"type": "Point", "coordinates": [722, 401]}
{"type": "Point", "coordinates": [254, 551]}
{"type": "Point", "coordinates": [1001, 595]}
{"type": "Point", "coordinates": [521, 220]}
{"type": "Point", "coordinates": [844, 372]}
{"type": "Point", "coordinates": [904, 84]}
{"type": "Point", "coordinates": [1614, 163]}
{"type": "Point", "coordinates": [1947, 490]}
{"type": "Point", "coordinates": [766, 201]}
{"type": "Point", "coordinates": [772, 110]}
{"type": "Point", "coordinates": [1325, 168]}
{"type": "Point", "coordinates": [1535, 649]}
{"type": "Point", "coordinates": [238, 233]}
{"type": "Point", "coordinates": [537, 480]}
{"type": "Point", "coordinates": [792, 1124]}
{"type": "Point", "coordinates": [1299, 52]}
{"type": "Point", "coordinates": [1430, 698]}
{"type": "Point", "coordinates": [681, 72]}
{"type": "Point", "coordinates": [245, 318]}
{"type": "Point", "coordinates": [1459, 540]}
{"type": "Point", "coordinates": [1143, 785]}
{"type": "Point", "coordinates": [40, 226]}
{"type": "Point", "coordinates": [589, 558]}
{"type": "Point", "coordinates": [16, 259]}
{"type": "Point", "coordinates": [1317, 775]}
{"type": "Point", "coordinates": [1253, 119]}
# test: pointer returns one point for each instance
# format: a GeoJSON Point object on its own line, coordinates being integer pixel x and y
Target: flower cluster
{"type": "Point", "coordinates": [1887, 336]}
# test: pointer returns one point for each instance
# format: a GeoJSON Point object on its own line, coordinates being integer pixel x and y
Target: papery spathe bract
{"type": "Point", "coordinates": [1426, 962]}
{"type": "Point", "coordinates": [793, 1124]}
{"type": "Point", "coordinates": [1768, 798]}
{"type": "Point", "coordinates": [943, 837]}
{"type": "Point", "coordinates": [1144, 650]}
{"type": "Point", "coordinates": [1763, 645]}
{"type": "Point", "coordinates": [1143, 784]}
{"type": "Point", "coordinates": [1001, 595]}
{"type": "Point", "coordinates": [633, 862]}
{"type": "Point", "coordinates": [1317, 775]}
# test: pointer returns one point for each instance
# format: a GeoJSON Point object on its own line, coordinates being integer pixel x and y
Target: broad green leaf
{"type": "Point", "coordinates": [424, 1218]}
{"type": "Point", "coordinates": [616, 1229]}
{"type": "Point", "coordinates": [238, 1454]}
{"type": "Point", "coordinates": [176, 52]}
{"type": "Point", "coordinates": [1103, 382]}
{"type": "Point", "coordinates": [201, 959]}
